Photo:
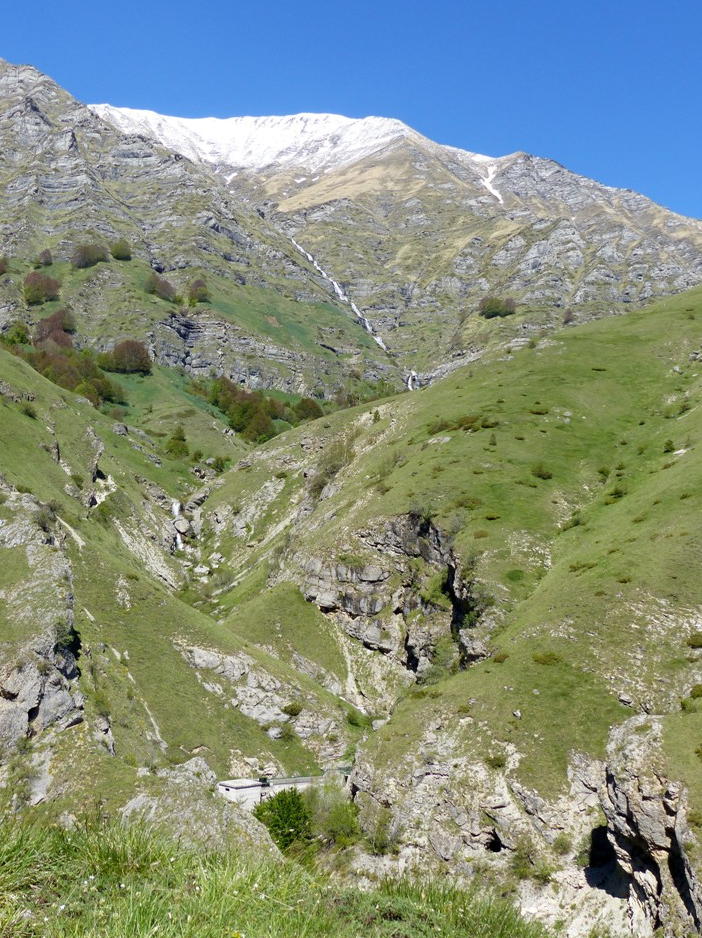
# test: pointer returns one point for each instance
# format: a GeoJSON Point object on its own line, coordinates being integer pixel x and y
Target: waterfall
{"type": "Point", "coordinates": [412, 382]}
{"type": "Point", "coordinates": [341, 295]}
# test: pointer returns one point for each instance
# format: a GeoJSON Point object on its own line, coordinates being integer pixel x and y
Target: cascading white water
{"type": "Point", "coordinates": [342, 296]}
{"type": "Point", "coordinates": [412, 382]}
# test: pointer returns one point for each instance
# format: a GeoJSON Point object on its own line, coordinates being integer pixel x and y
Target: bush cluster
{"type": "Point", "coordinates": [492, 306]}
{"type": "Point", "coordinates": [52, 354]}
{"type": "Point", "coordinates": [160, 287]}
{"type": "Point", "coordinates": [127, 357]}
{"type": "Point", "coordinates": [254, 414]}
{"type": "Point", "coordinates": [198, 293]}
{"type": "Point", "coordinates": [39, 287]}
{"type": "Point", "coordinates": [55, 329]}
{"type": "Point", "coordinates": [121, 250]}
{"type": "Point", "coordinates": [87, 255]}
{"type": "Point", "coordinates": [44, 258]}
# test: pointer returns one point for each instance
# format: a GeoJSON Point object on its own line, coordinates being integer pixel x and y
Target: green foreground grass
{"type": "Point", "coordinates": [111, 881]}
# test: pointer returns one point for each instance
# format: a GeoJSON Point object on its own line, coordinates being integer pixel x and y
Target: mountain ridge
{"type": "Point", "coordinates": [192, 135]}
{"type": "Point", "coordinates": [346, 138]}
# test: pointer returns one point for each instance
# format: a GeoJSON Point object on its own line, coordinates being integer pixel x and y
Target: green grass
{"type": "Point", "coordinates": [107, 881]}
{"type": "Point", "coordinates": [280, 618]}
{"type": "Point", "coordinates": [591, 410]}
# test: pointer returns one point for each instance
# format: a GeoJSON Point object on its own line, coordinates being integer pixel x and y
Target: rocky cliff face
{"type": "Point", "coordinates": [68, 177]}
{"type": "Point", "coordinates": [647, 820]}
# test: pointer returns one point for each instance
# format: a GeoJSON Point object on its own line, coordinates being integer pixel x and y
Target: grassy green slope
{"type": "Point", "coordinates": [112, 882]}
{"type": "Point", "coordinates": [574, 504]}
{"type": "Point", "coordinates": [132, 626]}
{"type": "Point", "coordinates": [110, 303]}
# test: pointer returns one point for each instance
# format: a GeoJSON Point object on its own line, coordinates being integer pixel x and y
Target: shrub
{"type": "Point", "coordinates": [198, 292]}
{"type": "Point", "coordinates": [668, 446]}
{"type": "Point", "coordinates": [574, 521]}
{"type": "Point", "coordinates": [38, 288]}
{"type": "Point", "coordinates": [44, 517]}
{"type": "Point", "coordinates": [696, 692]}
{"type": "Point", "coordinates": [16, 334]}
{"type": "Point", "coordinates": [354, 718]}
{"type": "Point", "coordinates": [55, 329]}
{"type": "Point", "coordinates": [334, 817]}
{"type": "Point", "coordinates": [287, 817]}
{"type": "Point", "coordinates": [176, 445]}
{"type": "Point", "coordinates": [64, 635]}
{"type": "Point", "coordinates": [87, 255]}
{"type": "Point", "coordinates": [695, 640]}
{"type": "Point", "coordinates": [492, 306]}
{"type": "Point", "coordinates": [102, 703]}
{"type": "Point", "coordinates": [525, 863]}
{"type": "Point", "coordinates": [292, 709]}
{"type": "Point", "coordinates": [121, 250]}
{"type": "Point", "coordinates": [44, 259]}
{"type": "Point", "coordinates": [160, 287]}
{"type": "Point", "coordinates": [568, 317]}
{"type": "Point", "coordinates": [28, 410]}
{"type": "Point", "coordinates": [546, 657]}
{"type": "Point", "coordinates": [128, 357]}
{"type": "Point", "coordinates": [384, 835]}
{"type": "Point", "coordinates": [619, 491]}
{"type": "Point", "coordinates": [562, 844]}
{"type": "Point", "coordinates": [496, 760]}
{"type": "Point", "coordinates": [308, 409]}
{"type": "Point", "coordinates": [336, 456]}
{"type": "Point", "coordinates": [541, 472]}
{"type": "Point", "coordinates": [4, 264]}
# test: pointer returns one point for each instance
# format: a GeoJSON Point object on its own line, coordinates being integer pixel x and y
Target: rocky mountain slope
{"type": "Point", "coordinates": [482, 594]}
{"type": "Point", "coordinates": [67, 178]}
{"type": "Point", "coordinates": [417, 233]}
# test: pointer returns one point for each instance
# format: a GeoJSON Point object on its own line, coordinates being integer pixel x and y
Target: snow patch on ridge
{"type": "Point", "coordinates": [314, 141]}
{"type": "Point", "coordinates": [487, 182]}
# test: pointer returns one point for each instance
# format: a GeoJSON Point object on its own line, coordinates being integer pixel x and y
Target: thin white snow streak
{"type": "Point", "coordinates": [342, 296]}
{"type": "Point", "coordinates": [487, 182]}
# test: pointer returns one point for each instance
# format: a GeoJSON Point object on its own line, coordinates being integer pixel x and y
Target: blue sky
{"type": "Point", "coordinates": [610, 89]}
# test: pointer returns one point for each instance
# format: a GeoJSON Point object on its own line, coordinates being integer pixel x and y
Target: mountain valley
{"type": "Point", "coordinates": [337, 514]}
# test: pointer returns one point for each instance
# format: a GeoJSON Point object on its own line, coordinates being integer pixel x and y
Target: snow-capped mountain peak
{"type": "Point", "coordinates": [310, 141]}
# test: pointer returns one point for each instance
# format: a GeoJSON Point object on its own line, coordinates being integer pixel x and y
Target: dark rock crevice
{"type": "Point", "coordinates": [680, 876]}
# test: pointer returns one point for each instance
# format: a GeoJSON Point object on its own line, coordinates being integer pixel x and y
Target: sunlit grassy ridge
{"type": "Point", "coordinates": [109, 882]}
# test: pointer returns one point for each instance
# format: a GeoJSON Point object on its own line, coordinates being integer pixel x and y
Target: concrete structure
{"type": "Point", "coordinates": [248, 792]}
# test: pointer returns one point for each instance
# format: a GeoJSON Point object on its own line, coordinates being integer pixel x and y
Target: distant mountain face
{"type": "Point", "coordinates": [316, 230]}
{"type": "Point", "coordinates": [66, 177]}
{"type": "Point", "coordinates": [417, 232]}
